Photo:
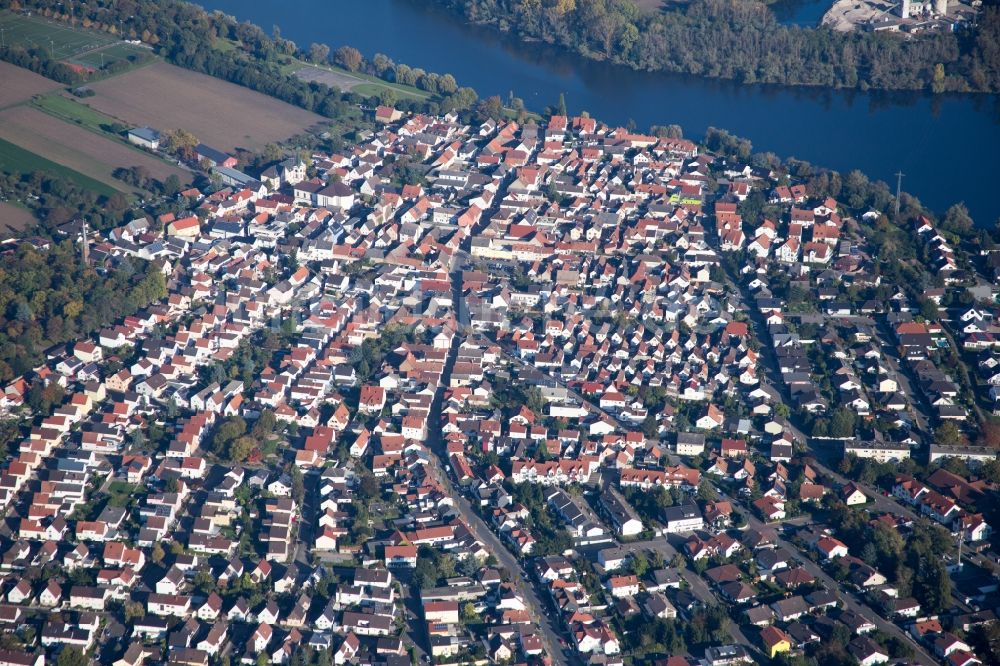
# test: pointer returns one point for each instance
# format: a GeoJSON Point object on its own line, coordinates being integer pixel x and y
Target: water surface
{"type": "Point", "coordinates": [946, 145]}
{"type": "Point", "coordinates": [805, 13]}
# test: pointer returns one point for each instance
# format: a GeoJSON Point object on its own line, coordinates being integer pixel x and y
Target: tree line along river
{"type": "Point", "coordinates": [946, 145]}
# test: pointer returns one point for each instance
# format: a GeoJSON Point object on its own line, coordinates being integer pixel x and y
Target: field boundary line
{"type": "Point", "coordinates": [108, 135]}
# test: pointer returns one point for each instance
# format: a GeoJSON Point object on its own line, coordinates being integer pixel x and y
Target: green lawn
{"type": "Point", "coordinates": [15, 158]}
{"type": "Point", "coordinates": [121, 492]}
{"type": "Point", "coordinates": [401, 92]}
{"type": "Point", "coordinates": [63, 40]}
{"type": "Point", "coordinates": [72, 111]}
{"type": "Point", "coordinates": [109, 54]}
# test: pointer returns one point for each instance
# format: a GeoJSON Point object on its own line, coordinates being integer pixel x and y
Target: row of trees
{"type": "Point", "coordinates": [39, 61]}
{"type": "Point", "coordinates": [743, 41]}
{"type": "Point", "coordinates": [383, 67]}
{"type": "Point", "coordinates": [139, 176]}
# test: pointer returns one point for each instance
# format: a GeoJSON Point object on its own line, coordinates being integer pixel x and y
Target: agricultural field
{"type": "Point", "coordinates": [15, 158]}
{"type": "Point", "coordinates": [20, 85]}
{"type": "Point", "coordinates": [74, 45]}
{"type": "Point", "coordinates": [78, 148]}
{"type": "Point", "coordinates": [223, 115]}
{"type": "Point", "coordinates": [70, 110]}
{"type": "Point", "coordinates": [14, 220]}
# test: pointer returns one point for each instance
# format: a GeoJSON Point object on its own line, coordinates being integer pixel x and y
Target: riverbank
{"type": "Point", "coordinates": [843, 16]}
{"type": "Point", "coordinates": [745, 43]}
{"type": "Point", "coordinates": [878, 133]}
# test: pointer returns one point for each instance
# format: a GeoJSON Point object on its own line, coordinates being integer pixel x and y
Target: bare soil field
{"type": "Point", "coordinates": [221, 114]}
{"type": "Point", "coordinates": [19, 84]}
{"type": "Point", "coordinates": [76, 147]}
{"type": "Point", "coordinates": [13, 220]}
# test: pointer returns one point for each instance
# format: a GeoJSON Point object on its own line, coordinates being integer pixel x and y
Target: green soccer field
{"type": "Point", "coordinates": [108, 55]}
{"type": "Point", "coordinates": [64, 42]}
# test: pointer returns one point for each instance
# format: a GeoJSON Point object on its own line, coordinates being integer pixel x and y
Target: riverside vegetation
{"type": "Point", "coordinates": [742, 40]}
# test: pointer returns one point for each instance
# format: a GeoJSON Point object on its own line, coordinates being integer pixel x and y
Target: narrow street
{"type": "Point", "coordinates": [536, 606]}
{"type": "Point", "coordinates": [906, 379]}
{"type": "Point", "coordinates": [850, 600]}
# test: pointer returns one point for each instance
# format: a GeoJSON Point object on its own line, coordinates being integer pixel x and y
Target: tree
{"type": "Point", "coordinates": [932, 586]}
{"type": "Point", "coordinates": [348, 57]}
{"type": "Point", "coordinates": [298, 485]}
{"type": "Point", "coordinates": [640, 564]}
{"type": "Point", "coordinates": [179, 140]}
{"type": "Point", "coordinates": [72, 656]}
{"type": "Point", "coordinates": [446, 566]}
{"type": "Point", "coordinates": [842, 423]}
{"type": "Point", "coordinates": [948, 434]}
{"type": "Point", "coordinates": [650, 427]}
{"type": "Point", "coordinates": [561, 106]}
{"type": "Point", "coordinates": [204, 581]}
{"type": "Point", "coordinates": [265, 424]}
{"type": "Point", "coordinates": [491, 107]}
{"type": "Point", "coordinates": [368, 487]}
{"type": "Point", "coordinates": [957, 220]}
{"type": "Point", "coordinates": [240, 448]}
{"type": "Point", "coordinates": [134, 609]}
{"type": "Point", "coordinates": [157, 554]}
{"type": "Point", "coordinates": [227, 431]}
{"type": "Point", "coordinates": [171, 185]}
{"type": "Point", "coordinates": [469, 615]}
{"type": "Point", "coordinates": [425, 574]}
{"type": "Point", "coordinates": [447, 84]}
{"type": "Point", "coordinates": [387, 97]}
{"type": "Point", "coordinates": [929, 309]}
{"type": "Point", "coordinates": [319, 53]}
{"type": "Point", "coordinates": [383, 64]}
{"type": "Point", "coordinates": [990, 471]}
{"type": "Point", "coordinates": [937, 84]}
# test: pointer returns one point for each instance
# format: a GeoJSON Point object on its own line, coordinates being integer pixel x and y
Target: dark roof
{"type": "Point", "coordinates": [210, 153]}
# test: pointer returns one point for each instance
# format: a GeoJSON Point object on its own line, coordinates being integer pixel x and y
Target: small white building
{"type": "Point", "coordinates": [145, 137]}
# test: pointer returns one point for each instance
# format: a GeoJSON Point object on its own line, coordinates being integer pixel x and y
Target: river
{"type": "Point", "coordinates": [946, 145]}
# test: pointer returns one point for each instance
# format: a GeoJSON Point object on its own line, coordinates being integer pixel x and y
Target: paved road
{"type": "Point", "coordinates": [536, 607]}
{"type": "Point", "coordinates": [821, 457]}
{"type": "Point", "coordinates": [920, 407]}
{"type": "Point", "coordinates": [878, 501]}
{"type": "Point", "coordinates": [963, 371]}
{"type": "Point", "coordinates": [850, 601]}
{"type": "Point", "coordinates": [308, 517]}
